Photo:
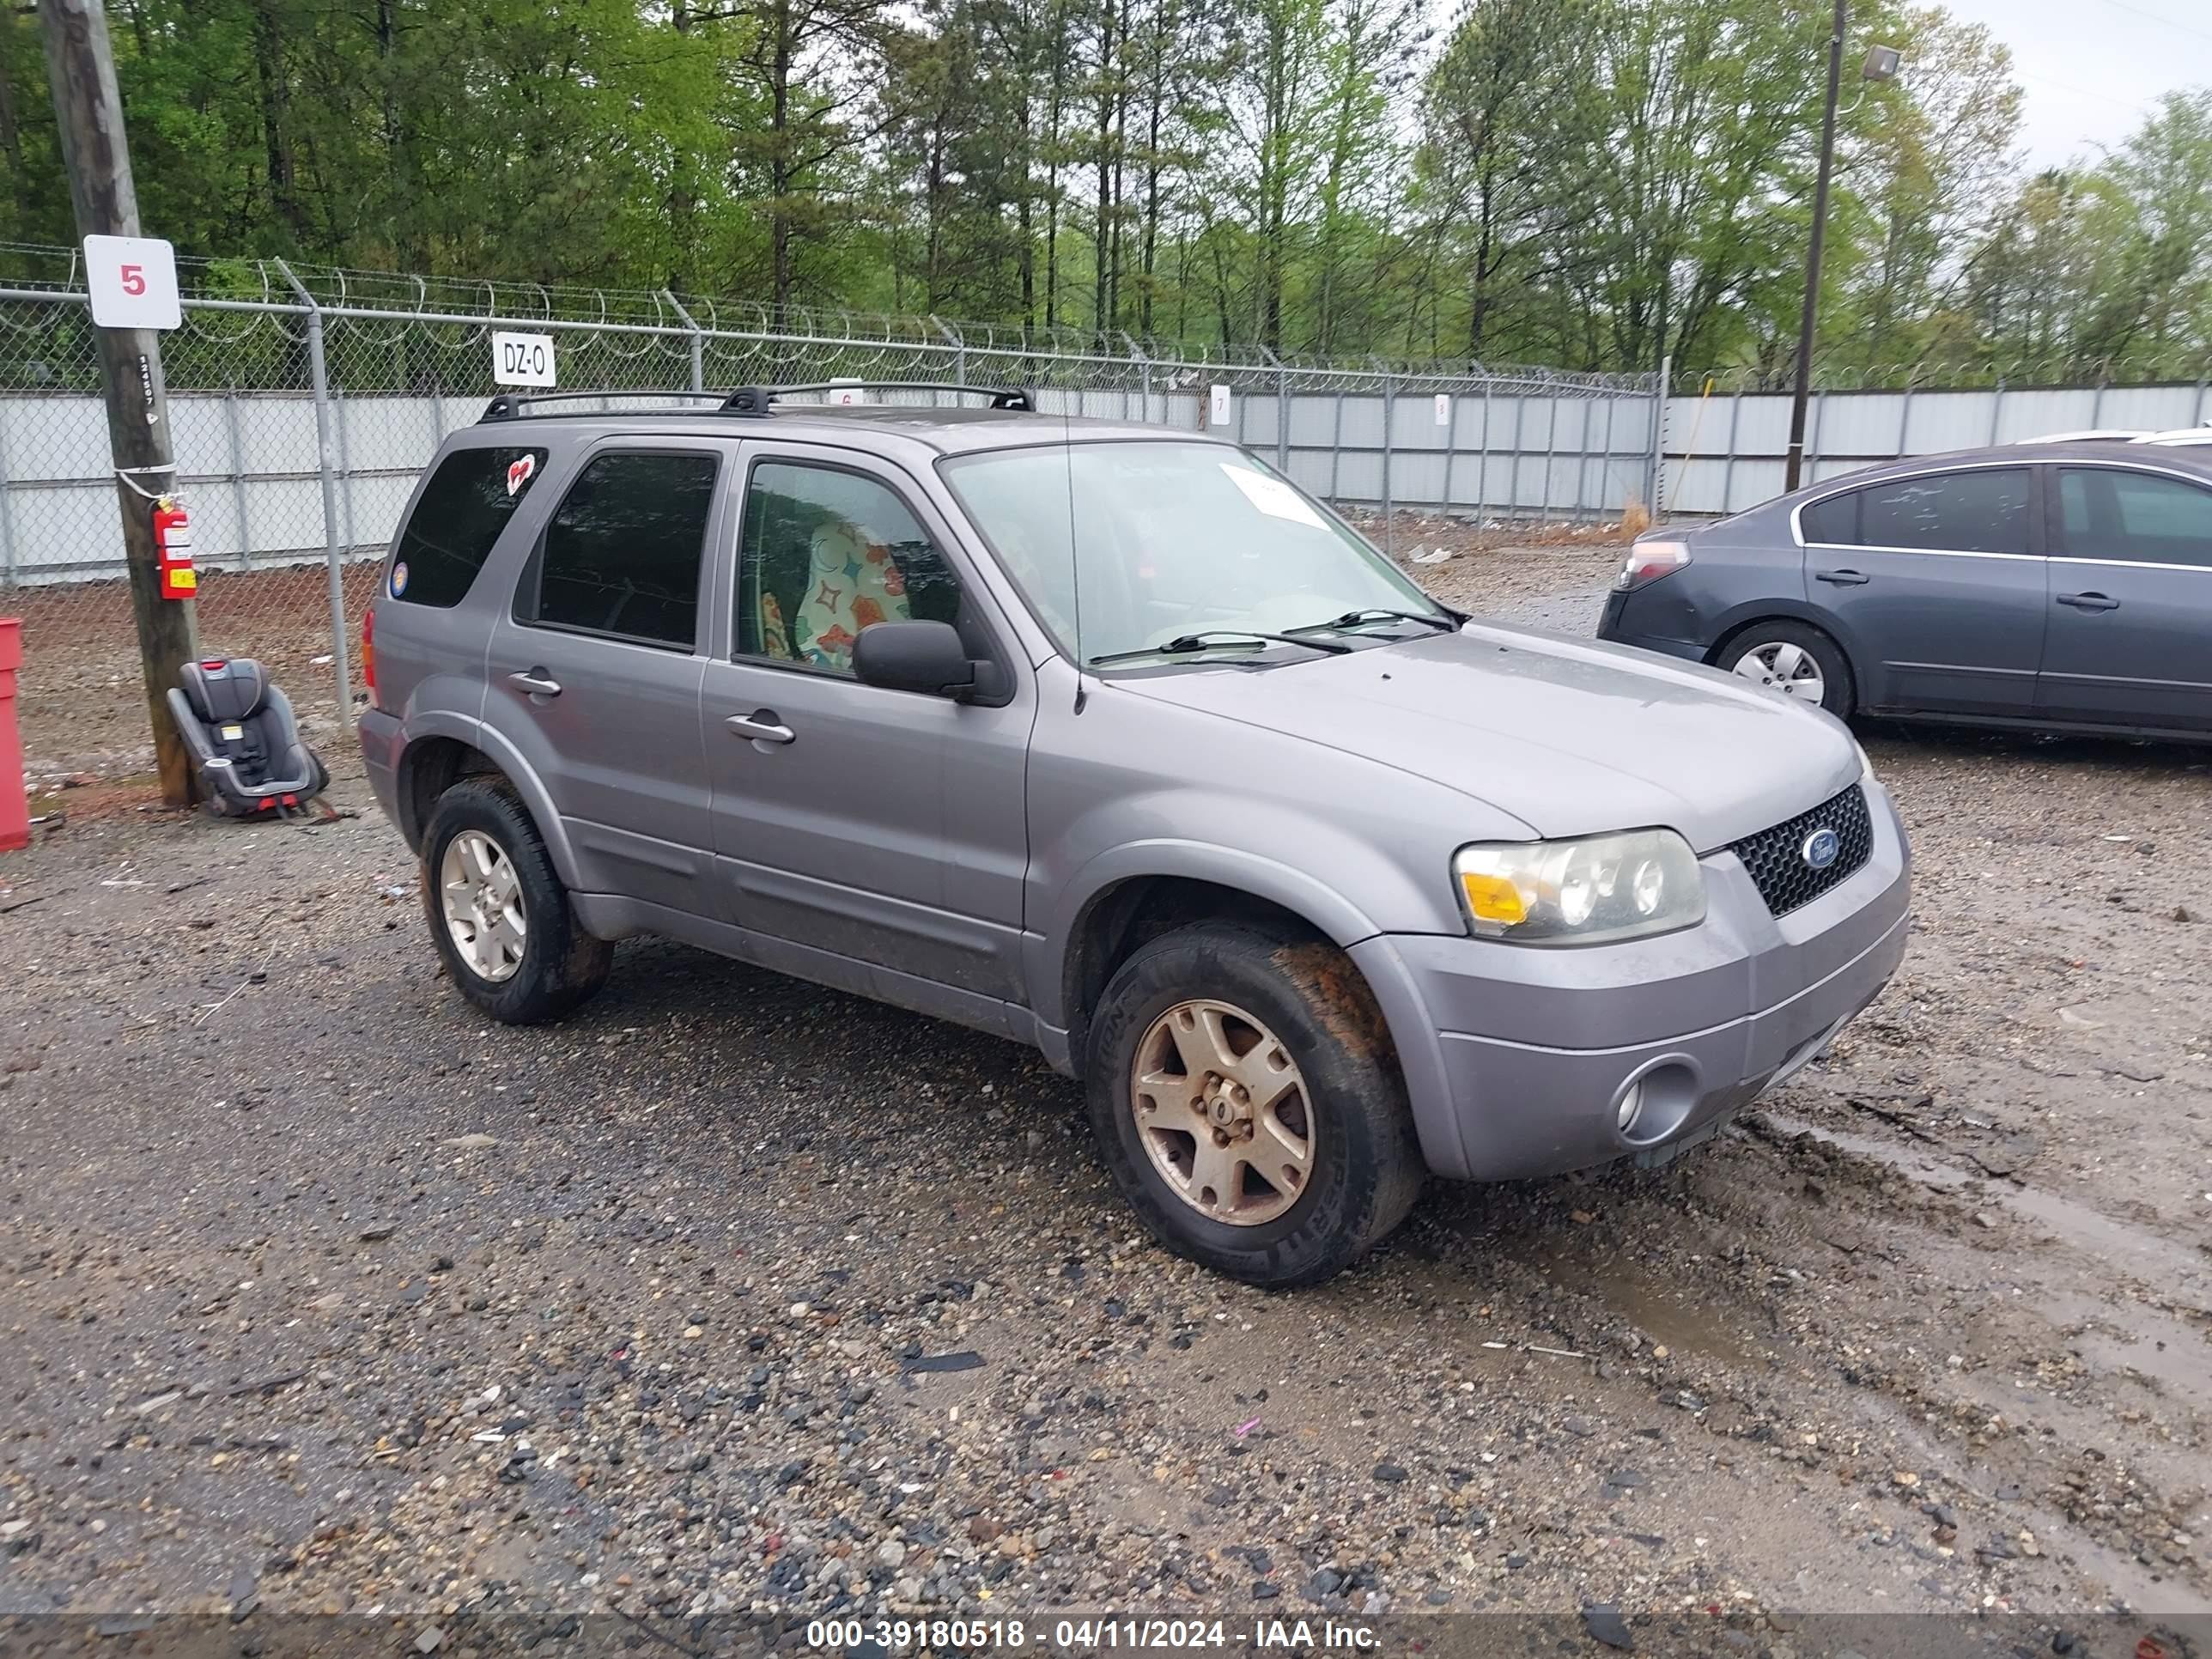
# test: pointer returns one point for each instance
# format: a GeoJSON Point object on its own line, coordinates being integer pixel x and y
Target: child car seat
{"type": "Point", "coordinates": [244, 739]}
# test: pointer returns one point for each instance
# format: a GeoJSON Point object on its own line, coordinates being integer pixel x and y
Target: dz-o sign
{"type": "Point", "coordinates": [522, 359]}
{"type": "Point", "coordinates": [131, 281]}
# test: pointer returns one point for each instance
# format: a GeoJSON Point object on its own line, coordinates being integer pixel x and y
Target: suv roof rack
{"type": "Point", "coordinates": [756, 399]}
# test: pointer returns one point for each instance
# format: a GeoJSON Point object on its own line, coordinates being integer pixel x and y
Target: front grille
{"type": "Point", "coordinates": [1775, 857]}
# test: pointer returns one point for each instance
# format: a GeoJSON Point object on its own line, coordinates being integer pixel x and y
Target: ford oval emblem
{"type": "Point", "coordinates": [1822, 849]}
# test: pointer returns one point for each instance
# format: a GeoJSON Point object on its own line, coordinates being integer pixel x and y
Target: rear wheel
{"type": "Point", "coordinates": [1796, 659]}
{"type": "Point", "coordinates": [499, 914]}
{"type": "Point", "coordinates": [1247, 1101]}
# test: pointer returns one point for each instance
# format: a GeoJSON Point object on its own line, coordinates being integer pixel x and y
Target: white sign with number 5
{"type": "Point", "coordinates": [132, 282]}
{"type": "Point", "coordinates": [522, 359]}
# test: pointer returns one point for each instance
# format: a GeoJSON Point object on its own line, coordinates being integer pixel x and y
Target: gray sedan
{"type": "Point", "coordinates": [2062, 586]}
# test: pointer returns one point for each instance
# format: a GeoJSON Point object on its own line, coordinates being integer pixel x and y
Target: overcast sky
{"type": "Point", "coordinates": [2091, 68]}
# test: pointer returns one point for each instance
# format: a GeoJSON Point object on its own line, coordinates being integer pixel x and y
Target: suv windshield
{"type": "Point", "coordinates": [1171, 541]}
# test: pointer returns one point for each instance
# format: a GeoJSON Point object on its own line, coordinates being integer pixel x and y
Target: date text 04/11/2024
{"type": "Point", "coordinates": [1091, 1635]}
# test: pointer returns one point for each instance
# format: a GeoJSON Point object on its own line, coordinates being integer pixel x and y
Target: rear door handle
{"type": "Point", "coordinates": [2090, 601]}
{"type": "Point", "coordinates": [1842, 578]}
{"type": "Point", "coordinates": [762, 726]}
{"type": "Point", "coordinates": [537, 681]}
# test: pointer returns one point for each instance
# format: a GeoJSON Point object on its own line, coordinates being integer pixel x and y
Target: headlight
{"type": "Point", "coordinates": [1581, 892]}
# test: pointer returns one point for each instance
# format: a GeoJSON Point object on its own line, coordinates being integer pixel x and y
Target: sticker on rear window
{"type": "Point", "coordinates": [1273, 496]}
{"type": "Point", "coordinates": [398, 579]}
{"type": "Point", "coordinates": [519, 472]}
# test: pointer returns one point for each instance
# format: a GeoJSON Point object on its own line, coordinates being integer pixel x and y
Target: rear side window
{"type": "Point", "coordinates": [467, 503]}
{"type": "Point", "coordinates": [1835, 519]}
{"type": "Point", "coordinates": [1947, 512]}
{"type": "Point", "coordinates": [621, 554]}
{"type": "Point", "coordinates": [2139, 516]}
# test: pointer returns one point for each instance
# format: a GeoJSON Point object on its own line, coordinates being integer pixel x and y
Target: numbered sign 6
{"type": "Point", "coordinates": [132, 282]}
{"type": "Point", "coordinates": [522, 359]}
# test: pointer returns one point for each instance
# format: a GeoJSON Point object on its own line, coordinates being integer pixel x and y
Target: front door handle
{"type": "Point", "coordinates": [762, 726]}
{"type": "Point", "coordinates": [1842, 578]}
{"type": "Point", "coordinates": [537, 681]}
{"type": "Point", "coordinates": [2088, 601]}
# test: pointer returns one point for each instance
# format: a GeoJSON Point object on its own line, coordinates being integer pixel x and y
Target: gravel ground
{"type": "Point", "coordinates": [734, 1293]}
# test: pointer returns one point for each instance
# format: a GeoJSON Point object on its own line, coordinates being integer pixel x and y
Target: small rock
{"type": "Point", "coordinates": [2181, 912]}
{"type": "Point", "coordinates": [1264, 1591]}
{"type": "Point", "coordinates": [158, 1401]}
{"type": "Point", "coordinates": [478, 1142]}
{"type": "Point", "coordinates": [1390, 1474]}
{"type": "Point", "coordinates": [1603, 1621]}
{"type": "Point", "coordinates": [376, 1235]}
{"type": "Point", "coordinates": [427, 1642]}
{"type": "Point", "coordinates": [1578, 1425]}
{"type": "Point", "coordinates": [1905, 1478]}
{"type": "Point", "coordinates": [1325, 1583]}
{"type": "Point", "coordinates": [890, 1554]}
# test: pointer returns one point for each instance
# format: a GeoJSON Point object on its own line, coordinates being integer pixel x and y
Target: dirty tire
{"type": "Point", "coordinates": [1839, 691]}
{"type": "Point", "coordinates": [562, 965]}
{"type": "Point", "coordinates": [1367, 1169]}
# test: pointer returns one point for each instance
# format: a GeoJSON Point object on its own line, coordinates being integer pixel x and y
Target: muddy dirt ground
{"type": "Point", "coordinates": [731, 1292]}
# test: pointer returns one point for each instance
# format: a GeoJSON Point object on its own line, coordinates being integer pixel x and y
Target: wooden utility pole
{"type": "Point", "coordinates": [89, 111]}
{"type": "Point", "coordinates": [1792, 466]}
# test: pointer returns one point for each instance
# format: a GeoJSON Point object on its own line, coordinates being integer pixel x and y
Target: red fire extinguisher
{"type": "Point", "coordinates": [172, 540]}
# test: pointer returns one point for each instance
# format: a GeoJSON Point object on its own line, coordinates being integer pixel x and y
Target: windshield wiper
{"type": "Point", "coordinates": [1206, 637]}
{"type": "Point", "coordinates": [1353, 618]}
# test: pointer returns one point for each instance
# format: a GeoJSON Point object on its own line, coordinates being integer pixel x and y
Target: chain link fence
{"type": "Point", "coordinates": [302, 405]}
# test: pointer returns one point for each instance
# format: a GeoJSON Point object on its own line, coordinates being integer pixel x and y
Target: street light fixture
{"type": "Point", "coordinates": [1879, 64]}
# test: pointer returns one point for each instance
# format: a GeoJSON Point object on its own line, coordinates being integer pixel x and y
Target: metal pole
{"type": "Point", "coordinates": [238, 476]}
{"type": "Point", "coordinates": [1728, 463]}
{"type": "Point", "coordinates": [1451, 446]}
{"type": "Point", "coordinates": [1658, 475]}
{"type": "Point", "coordinates": [1904, 421]}
{"type": "Point", "coordinates": [698, 340]}
{"type": "Point", "coordinates": [1336, 451]}
{"type": "Point", "coordinates": [1792, 466]}
{"type": "Point", "coordinates": [341, 668]}
{"type": "Point", "coordinates": [1551, 454]}
{"type": "Point", "coordinates": [1605, 466]}
{"type": "Point", "coordinates": [1282, 419]}
{"type": "Point", "coordinates": [1813, 440]}
{"type": "Point", "coordinates": [1996, 409]}
{"type": "Point", "coordinates": [1390, 408]}
{"type": "Point", "coordinates": [7, 516]}
{"type": "Point", "coordinates": [1513, 468]}
{"type": "Point", "coordinates": [1482, 463]}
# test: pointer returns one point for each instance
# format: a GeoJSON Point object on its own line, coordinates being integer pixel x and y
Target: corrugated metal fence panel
{"type": "Point", "coordinates": [1726, 452]}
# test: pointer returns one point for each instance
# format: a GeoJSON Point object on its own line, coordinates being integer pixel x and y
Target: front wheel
{"type": "Point", "coordinates": [1247, 1100]}
{"type": "Point", "coordinates": [498, 912]}
{"type": "Point", "coordinates": [1799, 661]}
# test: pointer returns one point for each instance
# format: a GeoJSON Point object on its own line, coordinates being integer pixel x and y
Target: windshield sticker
{"type": "Point", "coordinates": [1273, 496]}
{"type": "Point", "coordinates": [399, 579]}
{"type": "Point", "coordinates": [517, 473]}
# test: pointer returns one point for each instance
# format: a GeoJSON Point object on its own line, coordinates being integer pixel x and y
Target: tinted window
{"type": "Point", "coordinates": [826, 553]}
{"type": "Point", "coordinates": [1951, 512]}
{"type": "Point", "coordinates": [1836, 519]}
{"type": "Point", "coordinates": [466, 505]}
{"type": "Point", "coordinates": [2108, 514]}
{"type": "Point", "coordinates": [622, 555]}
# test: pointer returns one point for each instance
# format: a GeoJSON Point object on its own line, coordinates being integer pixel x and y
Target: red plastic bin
{"type": "Point", "coordinates": [15, 807]}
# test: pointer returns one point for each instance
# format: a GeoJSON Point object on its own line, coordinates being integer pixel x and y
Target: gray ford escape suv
{"type": "Point", "coordinates": [1106, 738]}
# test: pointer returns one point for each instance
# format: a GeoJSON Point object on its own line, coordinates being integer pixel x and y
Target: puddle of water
{"type": "Point", "coordinates": [1661, 1310]}
{"type": "Point", "coordinates": [2086, 1230]}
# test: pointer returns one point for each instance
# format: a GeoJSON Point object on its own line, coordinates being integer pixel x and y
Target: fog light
{"type": "Point", "coordinates": [1631, 1104]}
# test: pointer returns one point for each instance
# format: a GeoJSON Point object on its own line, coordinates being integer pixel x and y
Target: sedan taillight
{"type": "Point", "coordinates": [1648, 560]}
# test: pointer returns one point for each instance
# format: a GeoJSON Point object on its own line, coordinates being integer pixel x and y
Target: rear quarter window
{"type": "Point", "coordinates": [471, 494]}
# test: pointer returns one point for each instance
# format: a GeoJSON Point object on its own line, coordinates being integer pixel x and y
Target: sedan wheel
{"type": "Point", "coordinates": [1224, 1113]}
{"type": "Point", "coordinates": [481, 894]}
{"type": "Point", "coordinates": [1787, 667]}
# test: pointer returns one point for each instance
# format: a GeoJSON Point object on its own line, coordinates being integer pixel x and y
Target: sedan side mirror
{"type": "Point", "coordinates": [927, 657]}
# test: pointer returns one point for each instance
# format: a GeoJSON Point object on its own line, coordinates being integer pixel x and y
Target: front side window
{"type": "Point", "coordinates": [623, 552]}
{"type": "Point", "coordinates": [1122, 547]}
{"type": "Point", "coordinates": [824, 553]}
{"type": "Point", "coordinates": [467, 503]}
{"type": "Point", "coordinates": [2107, 513]}
{"type": "Point", "coordinates": [1983, 512]}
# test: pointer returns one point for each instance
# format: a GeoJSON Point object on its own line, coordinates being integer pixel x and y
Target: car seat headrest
{"type": "Point", "coordinates": [225, 690]}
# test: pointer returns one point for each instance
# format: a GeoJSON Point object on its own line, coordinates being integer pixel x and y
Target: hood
{"type": "Point", "coordinates": [1571, 737]}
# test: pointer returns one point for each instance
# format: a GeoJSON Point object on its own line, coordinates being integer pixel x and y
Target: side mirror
{"type": "Point", "coordinates": [914, 656]}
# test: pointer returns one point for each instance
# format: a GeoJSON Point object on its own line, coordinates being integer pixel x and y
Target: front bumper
{"type": "Point", "coordinates": [1517, 1058]}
